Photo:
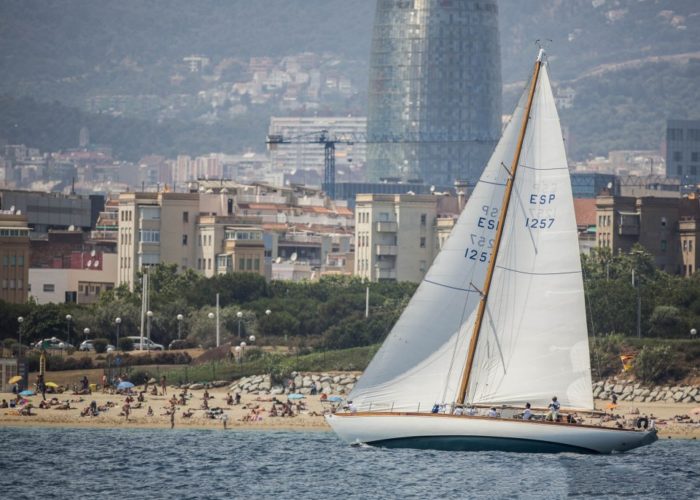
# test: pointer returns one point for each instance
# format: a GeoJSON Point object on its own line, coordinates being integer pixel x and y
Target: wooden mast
{"type": "Point", "coordinates": [499, 232]}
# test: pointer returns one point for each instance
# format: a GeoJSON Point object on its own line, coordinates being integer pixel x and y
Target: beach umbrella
{"type": "Point", "coordinates": [26, 392]}
{"type": "Point", "coordinates": [125, 385]}
{"type": "Point", "coordinates": [295, 396]}
{"type": "Point", "coordinates": [15, 379]}
{"type": "Point", "coordinates": [52, 384]}
{"type": "Point", "coordinates": [335, 399]}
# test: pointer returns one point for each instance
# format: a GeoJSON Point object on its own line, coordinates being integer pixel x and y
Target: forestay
{"type": "Point", "coordinates": [422, 359]}
{"type": "Point", "coordinates": [534, 342]}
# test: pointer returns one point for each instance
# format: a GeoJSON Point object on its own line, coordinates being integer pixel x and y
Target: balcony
{"type": "Point", "coordinates": [387, 250]}
{"type": "Point", "coordinates": [386, 274]}
{"type": "Point", "coordinates": [629, 224]}
{"type": "Point", "coordinates": [386, 227]}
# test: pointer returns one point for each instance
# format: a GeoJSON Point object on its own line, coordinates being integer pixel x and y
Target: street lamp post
{"type": "Point", "coordinates": [118, 321]}
{"type": "Point", "coordinates": [693, 333]}
{"type": "Point", "coordinates": [149, 316]}
{"type": "Point", "coordinates": [180, 317]}
{"type": "Point", "coordinates": [239, 315]}
{"type": "Point", "coordinates": [68, 319]}
{"type": "Point", "coordinates": [212, 316]}
{"type": "Point", "coordinates": [20, 320]}
{"type": "Point", "coordinates": [238, 354]}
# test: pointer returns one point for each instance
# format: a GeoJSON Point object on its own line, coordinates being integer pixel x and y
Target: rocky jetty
{"type": "Point", "coordinates": [637, 392]}
{"type": "Point", "coordinates": [300, 383]}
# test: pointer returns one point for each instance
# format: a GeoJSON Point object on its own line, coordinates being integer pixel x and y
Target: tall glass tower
{"type": "Point", "coordinates": [434, 90]}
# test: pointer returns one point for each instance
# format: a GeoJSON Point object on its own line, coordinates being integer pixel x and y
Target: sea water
{"type": "Point", "coordinates": [164, 463]}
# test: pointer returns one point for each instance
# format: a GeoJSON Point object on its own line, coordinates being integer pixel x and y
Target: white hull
{"type": "Point", "coordinates": [449, 432]}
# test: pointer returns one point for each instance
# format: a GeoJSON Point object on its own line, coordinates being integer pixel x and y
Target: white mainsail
{"type": "Point", "coordinates": [422, 359]}
{"type": "Point", "coordinates": [533, 342]}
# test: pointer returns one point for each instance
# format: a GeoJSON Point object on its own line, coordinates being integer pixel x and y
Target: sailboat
{"type": "Point", "coordinates": [499, 319]}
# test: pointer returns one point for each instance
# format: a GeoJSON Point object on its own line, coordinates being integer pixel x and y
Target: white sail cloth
{"type": "Point", "coordinates": [534, 341]}
{"type": "Point", "coordinates": [423, 357]}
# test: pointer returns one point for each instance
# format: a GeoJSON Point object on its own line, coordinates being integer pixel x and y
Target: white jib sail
{"type": "Point", "coordinates": [534, 340]}
{"type": "Point", "coordinates": [421, 361]}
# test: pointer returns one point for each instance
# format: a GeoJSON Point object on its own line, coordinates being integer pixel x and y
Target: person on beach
{"type": "Point", "coordinates": [163, 385]}
{"type": "Point", "coordinates": [172, 419]}
{"type": "Point", "coordinates": [104, 383]}
{"type": "Point", "coordinates": [224, 419]}
{"type": "Point", "coordinates": [125, 410]}
{"type": "Point", "coordinates": [149, 412]}
{"type": "Point", "coordinates": [41, 385]}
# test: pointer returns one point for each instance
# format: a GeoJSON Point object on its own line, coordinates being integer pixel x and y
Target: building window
{"type": "Point", "coordinates": [20, 260]}
{"type": "Point", "coordinates": [685, 245]}
{"type": "Point", "coordinates": [694, 156]}
{"type": "Point", "coordinates": [20, 284]}
{"type": "Point", "coordinates": [249, 264]}
{"type": "Point", "coordinates": [693, 170]}
{"type": "Point", "coordinates": [241, 264]}
{"type": "Point", "coordinates": [663, 245]}
{"type": "Point", "coordinates": [184, 240]}
{"type": "Point", "coordinates": [423, 266]}
{"type": "Point", "coordinates": [256, 264]}
{"type": "Point", "coordinates": [199, 264]}
{"type": "Point", "coordinates": [690, 245]}
{"type": "Point", "coordinates": [146, 236]}
{"type": "Point", "coordinates": [422, 241]}
{"type": "Point", "coordinates": [208, 263]}
{"type": "Point", "coordinates": [12, 284]}
{"type": "Point", "coordinates": [185, 216]}
{"type": "Point", "coordinates": [677, 156]}
{"type": "Point", "coordinates": [423, 219]}
{"type": "Point", "coordinates": [48, 287]}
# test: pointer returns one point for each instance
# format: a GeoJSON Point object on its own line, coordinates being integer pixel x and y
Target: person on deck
{"type": "Point", "coordinates": [527, 414]}
{"type": "Point", "coordinates": [554, 406]}
{"type": "Point", "coordinates": [493, 412]}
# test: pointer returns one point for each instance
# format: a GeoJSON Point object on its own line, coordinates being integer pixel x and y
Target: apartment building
{"type": "Point", "coordinates": [14, 257]}
{"type": "Point", "coordinates": [661, 225]}
{"type": "Point", "coordinates": [395, 236]}
{"type": "Point", "coordinates": [155, 228]}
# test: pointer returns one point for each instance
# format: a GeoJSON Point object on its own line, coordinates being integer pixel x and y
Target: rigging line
{"type": "Point", "coordinates": [451, 287]}
{"type": "Point", "coordinates": [492, 183]}
{"type": "Point", "coordinates": [590, 315]}
{"type": "Point", "coordinates": [543, 169]}
{"type": "Point", "coordinates": [522, 207]}
{"type": "Point", "coordinates": [535, 274]}
{"type": "Point", "coordinates": [496, 341]}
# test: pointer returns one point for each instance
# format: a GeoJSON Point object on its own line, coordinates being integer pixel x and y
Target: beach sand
{"type": "Point", "coordinates": [307, 420]}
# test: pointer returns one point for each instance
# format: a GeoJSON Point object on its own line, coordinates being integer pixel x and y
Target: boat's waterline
{"type": "Point", "coordinates": [463, 433]}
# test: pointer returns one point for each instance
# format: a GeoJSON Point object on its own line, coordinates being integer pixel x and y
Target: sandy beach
{"type": "Point", "coordinates": [242, 417]}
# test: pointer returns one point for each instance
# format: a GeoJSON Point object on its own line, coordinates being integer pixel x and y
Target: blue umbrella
{"type": "Point", "coordinates": [295, 396]}
{"type": "Point", "coordinates": [26, 392]}
{"type": "Point", "coordinates": [335, 399]}
{"type": "Point", "coordinates": [125, 385]}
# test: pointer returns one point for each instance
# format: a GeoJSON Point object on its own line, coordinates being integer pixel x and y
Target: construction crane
{"type": "Point", "coordinates": [328, 141]}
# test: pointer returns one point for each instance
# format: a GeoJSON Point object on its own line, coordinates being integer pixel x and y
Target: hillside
{"type": "Point", "coordinates": [619, 56]}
